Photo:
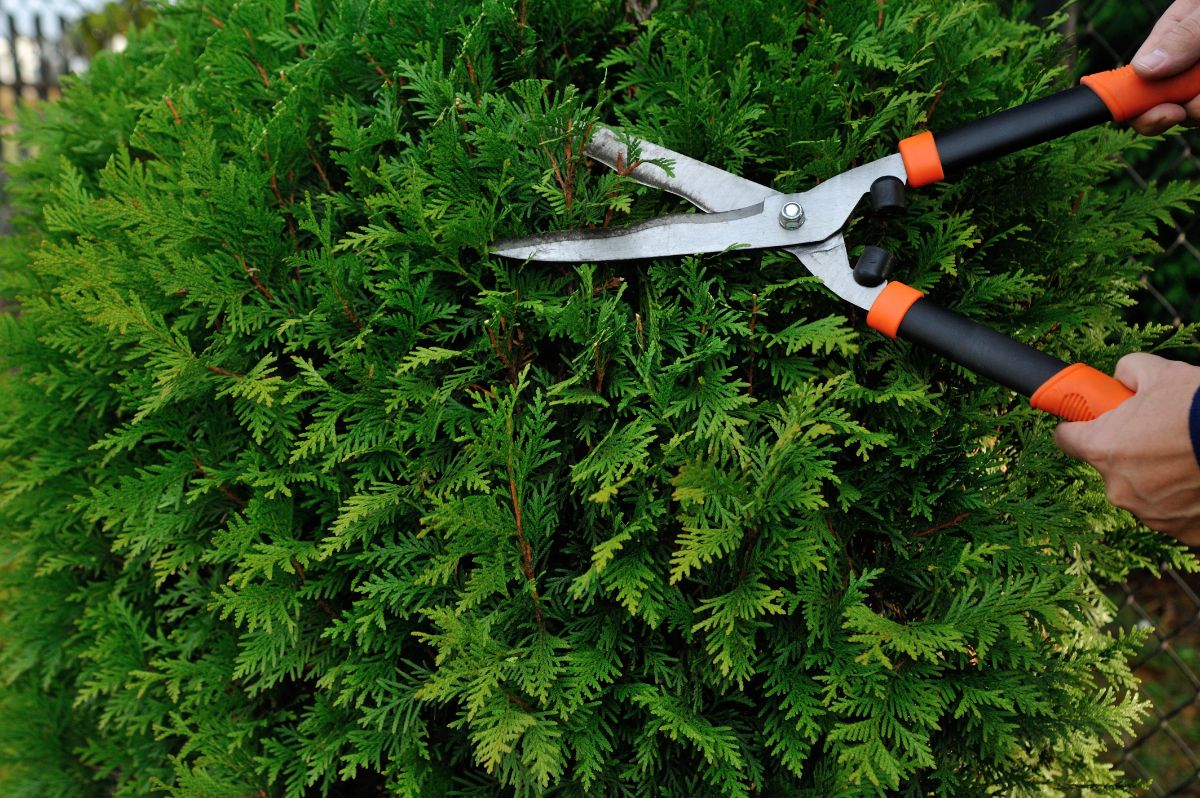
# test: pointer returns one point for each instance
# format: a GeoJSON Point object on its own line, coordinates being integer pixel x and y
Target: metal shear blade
{"type": "Point", "coordinates": [741, 213]}
{"type": "Point", "coordinates": [710, 189]}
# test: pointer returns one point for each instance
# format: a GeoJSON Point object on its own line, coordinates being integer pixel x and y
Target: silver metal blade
{"type": "Point", "coordinates": [666, 236]}
{"type": "Point", "coordinates": [755, 227]}
{"type": "Point", "coordinates": [739, 210]}
{"type": "Point", "coordinates": [830, 261]}
{"type": "Point", "coordinates": [708, 188]}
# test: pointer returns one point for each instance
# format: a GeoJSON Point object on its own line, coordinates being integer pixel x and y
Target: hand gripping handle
{"type": "Point", "coordinates": [1071, 392]}
{"type": "Point", "coordinates": [1127, 95]}
{"type": "Point", "coordinates": [1116, 96]}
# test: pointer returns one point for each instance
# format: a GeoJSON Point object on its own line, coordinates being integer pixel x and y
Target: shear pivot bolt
{"type": "Point", "coordinates": [791, 216]}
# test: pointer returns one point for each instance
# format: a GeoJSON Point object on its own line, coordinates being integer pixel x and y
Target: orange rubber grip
{"type": "Point", "coordinates": [922, 161]}
{"type": "Point", "coordinates": [1127, 95]}
{"type": "Point", "coordinates": [890, 308]}
{"type": "Point", "coordinates": [1080, 393]}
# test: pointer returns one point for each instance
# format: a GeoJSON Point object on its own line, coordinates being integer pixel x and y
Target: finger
{"type": "Point", "coordinates": [1188, 537]}
{"type": "Point", "coordinates": [1135, 369]}
{"type": "Point", "coordinates": [1170, 526]}
{"type": "Point", "coordinates": [1159, 120]}
{"type": "Point", "coordinates": [1072, 438]}
{"type": "Point", "coordinates": [1178, 10]}
{"type": "Point", "coordinates": [1177, 49]}
{"type": "Point", "coordinates": [1193, 111]}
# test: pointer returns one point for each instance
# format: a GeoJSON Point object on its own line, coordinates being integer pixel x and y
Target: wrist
{"type": "Point", "coordinates": [1194, 425]}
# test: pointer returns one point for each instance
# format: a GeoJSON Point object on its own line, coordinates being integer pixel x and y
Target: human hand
{"type": "Point", "coordinates": [1172, 47]}
{"type": "Point", "coordinates": [1143, 449]}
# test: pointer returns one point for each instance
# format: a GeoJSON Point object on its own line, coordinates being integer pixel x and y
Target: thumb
{"type": "Point", "coordinates": [1081, 439]}
{"type": "Point", "coordinates": [1177, 49]}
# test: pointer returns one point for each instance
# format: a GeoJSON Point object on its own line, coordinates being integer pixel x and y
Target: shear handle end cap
{"type": "Point", "coordinates": [1128, 95]}
{"type": "Point", "coordinates": [1080, 393]}
{"type": "Point", "coordinates": [922, 161]}
{"type": "Point", "coordinates": [890, 308]}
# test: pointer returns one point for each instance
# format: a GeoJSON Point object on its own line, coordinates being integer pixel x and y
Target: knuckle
{"type": "Point", "coordinates": [1166, 526]}
{"type": "Point", "coordinates": [1187, 32]}
{"type": "Point", "coordinates": [1100, 452]}
{"type": "Point", "coordinates": [1120, 494]}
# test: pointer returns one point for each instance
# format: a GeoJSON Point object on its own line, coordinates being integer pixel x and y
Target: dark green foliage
{"type": "Point", "coordinates": [305, 494]}
{"type": "Point", "coordinates": [1114, 32]}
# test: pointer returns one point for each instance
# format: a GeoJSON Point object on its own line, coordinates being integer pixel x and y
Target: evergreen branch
{"type": "Point", "coordinates": [677, 462]}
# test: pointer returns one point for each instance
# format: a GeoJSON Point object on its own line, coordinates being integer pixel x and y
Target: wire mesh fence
{"type": "Point", "coordinates": [1109, 33]}
{"type": "Point", "coordinates": [39, 44]}
{"type": "Point", "coordinates": [1165, 751]}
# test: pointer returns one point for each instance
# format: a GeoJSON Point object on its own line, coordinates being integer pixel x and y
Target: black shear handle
{"type": "Point", "coordinates": [1072, 392]}
{"type": "Point", "coordinates": [1115, 96]}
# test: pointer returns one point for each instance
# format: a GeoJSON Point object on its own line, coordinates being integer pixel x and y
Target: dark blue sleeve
{"type": "Point", "coordinates": [1194, 425]}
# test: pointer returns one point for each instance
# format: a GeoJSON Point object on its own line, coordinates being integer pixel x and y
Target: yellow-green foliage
{"type": "Point", "coordinates": [302, 493]}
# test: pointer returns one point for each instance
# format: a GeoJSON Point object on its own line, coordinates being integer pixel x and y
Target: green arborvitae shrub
{"type": "Point", "coordinates": [304, 494]}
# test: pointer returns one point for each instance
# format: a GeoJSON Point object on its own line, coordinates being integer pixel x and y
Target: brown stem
{"type": "Point", "coordinates": [522, 704]}
{"type": "Point", "coordinates": [753, 348]}
{"type": "Point", "coordinates": [747, 547]}
{"type": "Point", "coordinates": [225, 489]}
{"type": "Point", "coordinates": [374, 63]}
{"type": "Point", "coordinates": [845, 551]}
{"type": "Point", "coordinates": [622, 171]}
{"type": "Point", "coordinates": [252, 273]}
{"type": "Point", "coordinates": [471, 75]}
{"type": "Point", "coordinates": [466, 129]}
{"type": "Point", "coordinates": [600, 364]}
{"type": "Point", "coordinates": [505, 360]}
{"type": "Point", "coordinates": [937, 98]}
{"type": "Point", "coordinates": [526, 551]}
{"type": "Point", "coordinates": [924, 533]}
{"type": "Point", "coordinates": [608, 285]}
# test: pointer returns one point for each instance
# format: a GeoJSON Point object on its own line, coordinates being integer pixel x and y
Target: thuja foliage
{"type": "Point", "coordinates": [306, 494]}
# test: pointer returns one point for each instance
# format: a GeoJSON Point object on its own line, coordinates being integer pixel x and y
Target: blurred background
{"type": "Point", "coordinates": [41, 41]}
{"type": "Point", "coordinates": [1165, 752]}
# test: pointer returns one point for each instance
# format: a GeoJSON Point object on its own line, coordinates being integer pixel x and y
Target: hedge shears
{"type": "Point", "coordinates": [745, 215]}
